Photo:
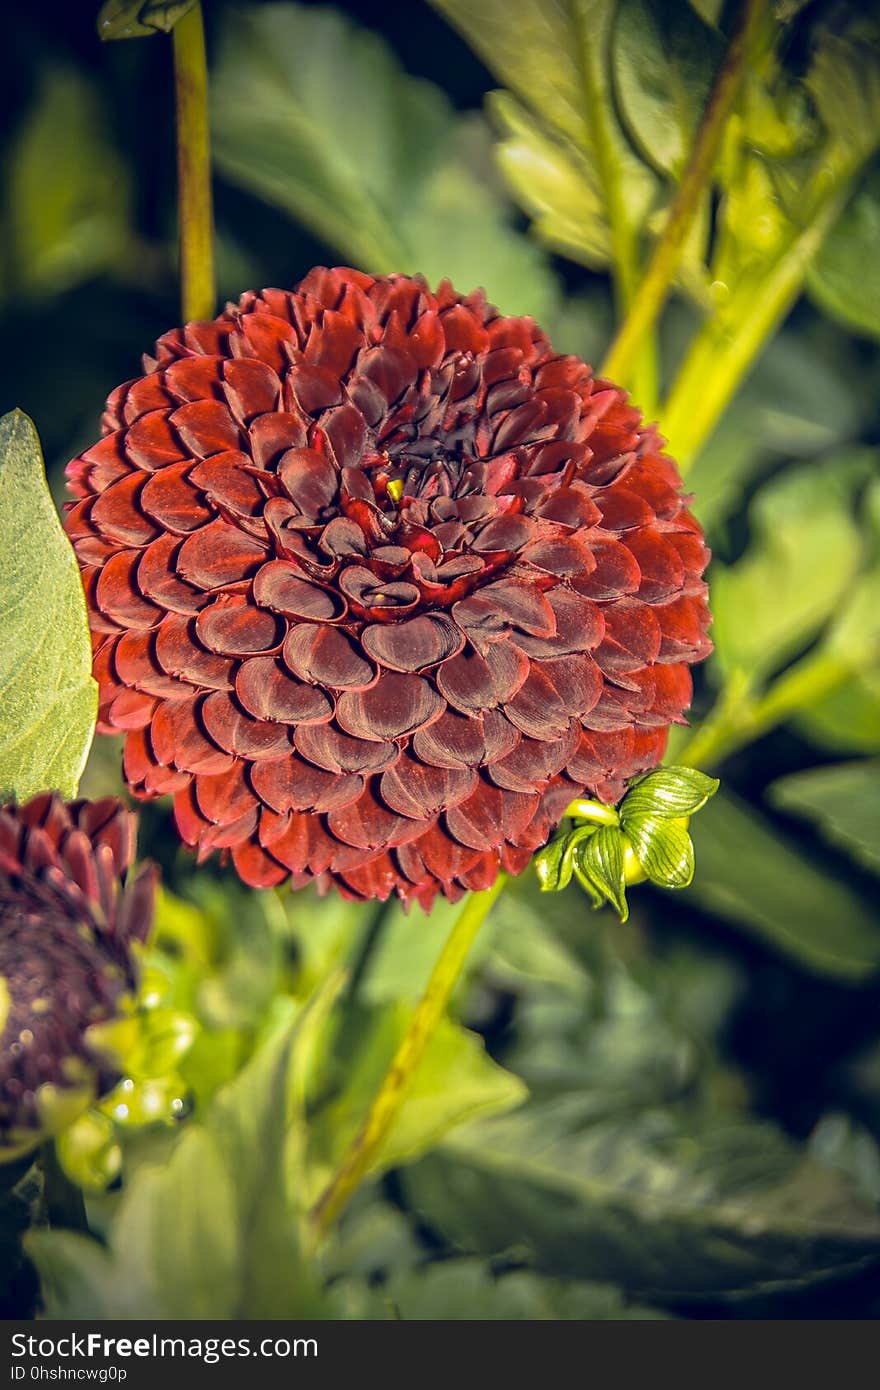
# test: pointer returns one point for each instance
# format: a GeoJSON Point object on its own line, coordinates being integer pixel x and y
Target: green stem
{"type": "Point", "coordinates": [737, 721]}
{"type": "Point", "coordinates": [398, 1079]}
{"type": "Point", "coordinates": [654, 288]}
{"type": "Point", "coordinates": [729, 341]}
{"type": "Point", "coordinates": [65, 1205]}
{"type": "Point", "coordinates": [198, 293]}
{"type": "Point", "coordinates": [596, 811]}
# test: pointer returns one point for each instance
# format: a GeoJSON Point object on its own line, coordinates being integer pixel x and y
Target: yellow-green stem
{"type": "Point", "coordinates": [392, 1093]}
{"type": "Point", "coordinates": [648, 302]}
{"type": "Point", "coordinates": [197, 290]}
{"type": "Point", "coordinates": [729, 341]}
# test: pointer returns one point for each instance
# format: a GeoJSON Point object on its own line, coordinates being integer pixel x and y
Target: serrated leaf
{"type": "Point", "coordinates": [600, 860]}
{"type": "Point", "coordinates": [663, 848]}
{"type": "Point", "coordinates": [68, 189]}
{"type": "Point", "coordinates": [843, 800]}
{"type": "Point", "coordinates": [844, 279]}
{"type": "Point", "coordinates": [782, 896]}
{"type": "Point", "coordinates": [389, 176]}
{"type": "Point", "coordinates": [804, 553]}
{"type": "Point", "coordinates": [665, 1206]}
{"type": "Point", "coordinates": [132, 19]}
{"type": "Point", "coordinates": [664, 59]}
{"type": "Point", "coordinates": [670, 791]}
{"type": "Point", "coordinates": [48, 699]}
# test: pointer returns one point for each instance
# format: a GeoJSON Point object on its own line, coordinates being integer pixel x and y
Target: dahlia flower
{"type": "Point", "coordinates": [379, 583]}
{"type": "Point", "coordinates": [68, 919]}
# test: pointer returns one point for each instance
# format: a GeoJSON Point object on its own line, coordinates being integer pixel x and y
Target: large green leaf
{"type": "Point", "coordinates": [844, 279]}
{"type": "Point", "coordinates": [761, 882]}
{"type": "Point", "coordinates": [48, 700]}
{"type": "Point", "coordinates": [804, 553]}
{"type": "Point", "coordinates": [456, 1081]}
{"type": "Point", "coordinates": [844, 802]}
{"type": "Point", "coordinates": [211, 1233]}
{"type": "Point", "coordinates": [662, 1206]}
{"type": "Point", "coordinates": [848, 719]}
{"type": "Point", "coordinates": [469, 1289]}
{"type": "Point", "coordinates": [69, 191]}
{"type": "Point", "coordinates": [373, 160]}
{"type": "Point", "coordinates": [664, 58]}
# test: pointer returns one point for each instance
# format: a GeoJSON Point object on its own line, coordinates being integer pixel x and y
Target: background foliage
{"type": "Point", "coordinates": [679, 1116]}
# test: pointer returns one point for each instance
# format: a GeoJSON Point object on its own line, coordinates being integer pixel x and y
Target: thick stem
{"type": "Point", "coordinates": [392, 1093]}
{"type": "Point", "coordinates": [728, 343]}
{"type": "Point", "coordinates": [198, 293]}
{"type": "Point", "coordinates": [653, 290]}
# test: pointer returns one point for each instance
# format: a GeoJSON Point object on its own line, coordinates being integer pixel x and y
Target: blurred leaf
{"type": "Point", "coordinates": [212, 1233]}
{"type": "Point", "coordinates": [804, 552]}
{"type": "Point", "coordinates": [844, 82]}
{"type": "Point", "coordinates": [848, 719]}
{"type": "Point", "coordinates": [69, 192]}
{"type": "Point", "coordinates": [844, 279]}
{"type": "Point", "coordinates": [844, 802]}
{"type": "Point", "coordinates": [49, 700]}
{"type": "Point", "coordinates": [840, 1143]}
{"type": "Point", "coordinates": [455, 1081]}
{"type": "Point", "coordinates": [467, 1289]}
{"type": "Point", "coordinates": [807, 396]}
{"type": "Point", "coordinates": [663, 1207]}
{"type": "Point", "coordinates": [664, 57]}
{"type": "Point", "coordinates": [387, 175]}
{"type": "Point", "coordinates": [132, 19]}
{"type": "Point", "coordinates": [760, 882]}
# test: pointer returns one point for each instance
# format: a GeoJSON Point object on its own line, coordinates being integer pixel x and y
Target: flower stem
{"type": "Point", "coordinates": [653, 290]}
{"type": "Point", "coordinates": [198, 293]}
{"type": "Point", "coordinates": [392, 1093]}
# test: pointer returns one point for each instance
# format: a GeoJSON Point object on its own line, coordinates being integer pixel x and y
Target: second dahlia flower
{"type": "Point", "coordinates": [69, 915]}
{"type": "Point", "coordinates": [379, 583]}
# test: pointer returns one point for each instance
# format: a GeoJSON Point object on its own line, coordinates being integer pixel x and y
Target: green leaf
{"type": "Point", "coordinates": [664, 1207]}
{"type": "Point", "coordinates": [804, 553]}
{"type": "Point", "coordinates": [599, 860]}
{"type": "Point", "coordinates": [664, 57]}
{"type": "Point", "coordinates": [133, 19]}
{"type": "Point", "coordinates": [389, 176]}
{"type": "Point", "coordinates": [69, 191]}
{"type": "Point", "coordinates": [49, 700]}
{"type": "Point", "coordinates": [844, 82]}
{"type": "Point", "coordinates": [670, 791]}
{"type": "Point", "coordinates": [763, 884]}
{"type": "Point", "coordinates": [844, 802]}
{"type": "Point", "coordinates": [572, 166]}
{"type": "Point", "coordinates": [663, 848]}
{"type": "Point", "coordinates": [848, 719]}
{"type": "Point", "coordinates": [213, 1233]}
{"type": "Point", "coordinates": [553, 865]}
{"type": "Point", "coordinates": [461, 1289]}
{"type": "Point", "coordinates": [455, 1081]}
{"type": "Point", "coordinates": [844, 279]}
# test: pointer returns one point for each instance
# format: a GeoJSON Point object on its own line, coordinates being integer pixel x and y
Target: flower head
{"type": "Point", "coordinates": [379, 582]}
{"type": "Point", "coordinates": [68, 919]}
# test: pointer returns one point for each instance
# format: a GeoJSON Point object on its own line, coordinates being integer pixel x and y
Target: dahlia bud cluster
{"type": "Point", "coordinates": [379, 583]}
{"type": "Point", "coordinates": [70, 916]}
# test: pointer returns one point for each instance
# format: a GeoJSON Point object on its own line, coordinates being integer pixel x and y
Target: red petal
{"type": "Point", "coordinates": [413, 644]}
{"type": "Point", "coordinates": [232, 730]}
{"type": "Point", "coordinates": [324, 655]}
{"type": "Point", "coordinates": [280, 586]}
{"type": "Point", "coordinates": [420, 791]}
{"type": "Point", "coordinates": [288, 783]}
{"type": "Point", "coordinates": [328, 747]}
{"type": "Point", "coordinates": [233, 626]}
{"type": "Point", "coordinates": [180, 654]}
{"type": "Point", "coordinates": [267, 692]}
{"type": "Point", "coordinates": [395, 705]}
{"type": "Point", "coordinates": [474, 682]}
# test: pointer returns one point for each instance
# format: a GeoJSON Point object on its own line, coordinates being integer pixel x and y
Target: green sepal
{"type": "Point", "coordinates": [664, 849]}
{"type": "Point", "coordinates": [136, 19]}
{"type": "Point", "coordinates": [600, 868]}
{"type": "Point", "coordinates": [668, 792]}
{"type": "Point", "coordinates": [555, 863]}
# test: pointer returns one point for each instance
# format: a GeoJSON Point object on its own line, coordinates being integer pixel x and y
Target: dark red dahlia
{"type": "Point", "coordinates": [379, 582]}
{"type": "Point", "coordinates": [68, 918]}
